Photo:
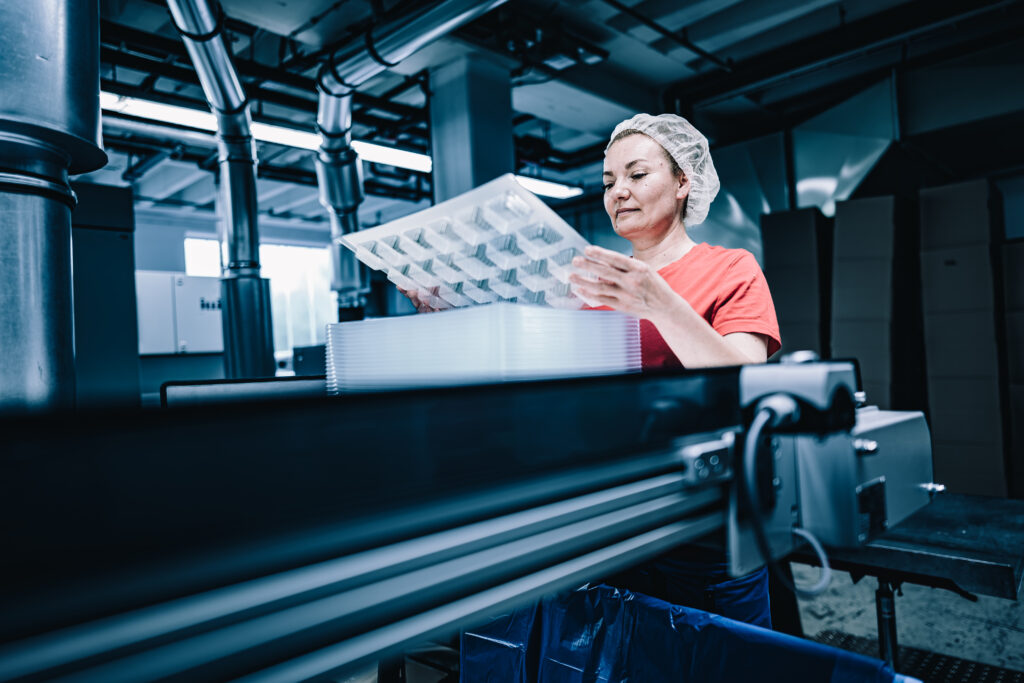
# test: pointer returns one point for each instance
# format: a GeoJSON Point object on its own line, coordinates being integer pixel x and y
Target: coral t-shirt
{"type": "Point", "coordinates": [727, 288]}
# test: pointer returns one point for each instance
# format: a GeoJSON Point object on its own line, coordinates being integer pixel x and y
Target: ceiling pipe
{"type": "Point", "coordinates": [248, 330]}
{"type": "Point", "coordinates": [49, 127]}
{"type": "Point", "coordinates": [339, 174]}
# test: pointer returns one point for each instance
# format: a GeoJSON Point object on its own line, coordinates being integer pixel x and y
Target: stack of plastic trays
{"type": "Point", "coordinates": [498, 242]}
{"type": "Point", "coordinates": [479, 344]}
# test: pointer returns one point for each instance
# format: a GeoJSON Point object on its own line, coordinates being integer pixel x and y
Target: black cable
{"type": "Point", "coordinates": [773, 411]}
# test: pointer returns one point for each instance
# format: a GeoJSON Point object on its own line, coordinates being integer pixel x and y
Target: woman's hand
{"type": "Point", "coordinates": [625, 284]}
{"type": "Point", "coordinates": [418, 300]}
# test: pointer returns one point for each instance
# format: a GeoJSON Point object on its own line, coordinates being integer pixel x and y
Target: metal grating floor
{"type": "Point", "coordinates": [927, 666]}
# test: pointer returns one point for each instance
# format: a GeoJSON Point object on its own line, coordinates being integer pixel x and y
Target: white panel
{"type": "Point", "coordinates": [197, 302]}
{"type": "Point", "coordinates": [155, 302]}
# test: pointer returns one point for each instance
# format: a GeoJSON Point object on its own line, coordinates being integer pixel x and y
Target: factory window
{"type": "Point", "coordinates": [202, 257]}
{"type": "Point", "coordinates": [300, 287]}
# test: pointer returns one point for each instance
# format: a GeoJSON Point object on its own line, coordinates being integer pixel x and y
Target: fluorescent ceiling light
{"type": "Point", "coordinates": [159, 112]}
{"type": "Point", "coordinates": [278, 135]}
{"type": "Point", "coordinates": [548, 188]}
{"type": "Point", "coordinates": [291, 137]}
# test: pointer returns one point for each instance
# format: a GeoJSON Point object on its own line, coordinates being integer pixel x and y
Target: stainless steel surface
{"type": "Point", "coordinates": [337, 168]}
{"type": "Point", "coordinates": [395, 43]}
{"type": "Point", "coordinates": [210, 57]}
{"type": "Point", "coordinates": [248, 330]}
{"type": "Point", "coordinates": [37, 364]}
{"type": "Point", "coordinates": [834, 475]}
{"type": "Point", "coordinates": [216, 73]}
{"type": "Point", "coordinates": [177, 394]}
{"type": "Point", "coordinates": [197, 18]}
{"type": "Point", "coordinates": [353, 64]}
{"type": "Point", "coordinates": [334, 120]}
{"type": "Point", "coordinates": [49, 123]}
{"type": "Point", "coordinates": [239, 232]}
{"type": "Point", "coordinates": [904, 458]}
{"type": "Point", "coordinates": [248, 335]}
{"type": "Point", "coordinates": [340, 181]}
{"type": "Point", "coordinates": [50, 77]}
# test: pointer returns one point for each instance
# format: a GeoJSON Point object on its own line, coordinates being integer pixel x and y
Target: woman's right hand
{"type": "Point", "coordinates": [418, 300]}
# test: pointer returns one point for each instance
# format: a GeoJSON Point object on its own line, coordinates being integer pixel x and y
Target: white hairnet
{"type": "Point", "coordinates": [689, 148]}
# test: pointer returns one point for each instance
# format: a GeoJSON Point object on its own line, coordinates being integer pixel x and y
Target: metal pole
{"type": "Point", "coordinates": [885, 604]}
{"type": "Point", "coordinates": [339, 173]}
{"type": "Point", "coordinates": [49, 126]}
{"type": "Point", "coordinates": [248, 328]}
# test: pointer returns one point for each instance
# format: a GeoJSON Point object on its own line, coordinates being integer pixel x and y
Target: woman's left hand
{"type": "Point", "coordinates": [622, 283]}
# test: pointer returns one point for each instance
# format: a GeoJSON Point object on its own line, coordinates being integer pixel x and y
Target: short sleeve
{"type": "Point", "coordinates": [745, 303]}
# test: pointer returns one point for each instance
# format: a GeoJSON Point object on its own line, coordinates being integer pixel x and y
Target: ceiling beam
{"type": "Point", "coordinates": [890, 27]}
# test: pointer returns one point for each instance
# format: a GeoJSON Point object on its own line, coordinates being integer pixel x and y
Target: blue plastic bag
{"type": "Point", "coordinates": [497, 652]}
{"type": "Point", "coordinates": [600, 633]}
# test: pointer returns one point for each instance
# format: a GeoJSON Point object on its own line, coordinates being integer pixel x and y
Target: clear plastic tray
{"type": "Point", "coordinates": [498, 242]}
{"type": "Point", "coordinates": [497, 343]}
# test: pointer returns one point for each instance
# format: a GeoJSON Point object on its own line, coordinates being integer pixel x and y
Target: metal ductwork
{"type": "Point", "coordinates": [338, 173]}
{"type": "Point", "coordinates": [49, 127]}
{"type": "Point", "coordinates": [248, 332]}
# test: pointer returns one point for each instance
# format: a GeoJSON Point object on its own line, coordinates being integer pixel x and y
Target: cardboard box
{"type": "Point", "coordinates": [862, 290]}
{"type": "Point", "coordinates": [974, 468]}
{"type": "Point", "coordinates": [1015, 346]}
{"type": "Point", "coordinates": [875, 361]}
{"type": "Point", "coordinates": [1016, 472]}
{"type": "Point", "coordinates": [799, 336]}
{"type": "Point", "coordinates": [795, 293]}
{"type": "Point", "coordinates": [864, 229]}
{"type": "Point", "coordinates": [957, 279]}
{"type": "Point", "coordinates": [955, 215]}
{"type": "Point", "coordinates": [965, 409]}
{"type": "Point", "coordinates": [867, 341]}
{"type": "Point", "coordinates": [1013, 275]}
{"type": "Point", "coordinates": [860, 333]}
{"type": "Point", "coordinates": [790, 238]}
{"type": "Point", "coordinates": [961, 344]}
{"type": "Point", "coordinates": [879, 394]}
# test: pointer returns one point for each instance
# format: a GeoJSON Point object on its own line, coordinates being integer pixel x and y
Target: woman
{"type": "Point", "coordinates": [699, 306]}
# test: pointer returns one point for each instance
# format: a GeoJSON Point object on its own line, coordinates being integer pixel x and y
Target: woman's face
{"type": "Point", "coordinates": [641, 194]}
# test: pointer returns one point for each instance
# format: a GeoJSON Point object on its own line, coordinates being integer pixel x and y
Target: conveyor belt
{"type": "Point", "coordinates": [295, 538]}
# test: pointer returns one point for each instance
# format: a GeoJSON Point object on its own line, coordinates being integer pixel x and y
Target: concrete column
{"type": "Point", "coordinates": [470, 124]}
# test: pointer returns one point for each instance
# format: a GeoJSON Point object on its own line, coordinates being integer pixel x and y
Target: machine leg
{"type": "Point", "coordinates": [391, 670]}
{"type": "Point", "coordinates": [784, 605]}
{"type": "Point", "coordinates": [885, 603]}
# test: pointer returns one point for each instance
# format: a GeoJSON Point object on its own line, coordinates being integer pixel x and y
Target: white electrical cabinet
{"type": "Point", "coordinates": [197, 307]}
{"type": "Point", "coordinates": [178, 313]}
{"type": "Point", "coordinates": [155, 302]}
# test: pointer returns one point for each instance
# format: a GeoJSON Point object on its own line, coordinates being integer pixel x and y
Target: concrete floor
{"type": "Point", "coordinates": [990, 631]}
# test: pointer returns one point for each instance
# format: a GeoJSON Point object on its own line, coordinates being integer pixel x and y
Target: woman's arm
{"type": "Point", "coordinates": [631, 286]}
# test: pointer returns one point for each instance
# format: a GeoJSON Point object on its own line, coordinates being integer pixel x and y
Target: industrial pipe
{"type": "Point", "coordinates": [49, 127]}
{"type": "Point", "coordinates": [248, 329]}
{"type": "Point", "coordinates": [339, 174]}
